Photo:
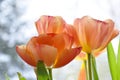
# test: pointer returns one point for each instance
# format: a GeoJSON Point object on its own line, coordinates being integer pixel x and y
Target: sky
{"type": "Point", "coordinates": [68, 9]}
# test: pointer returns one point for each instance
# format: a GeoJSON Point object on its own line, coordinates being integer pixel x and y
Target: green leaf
{"type": "Point", "coordinates": [112, 61]}
{"type": "Point", "coordinates": [94, 69]}
{"type": "Point", "coordinates": [42, 73]}
{"type": "Point", "coordinates": [6, 77]}
{"type": "Point", "coordinates": [118, 61]}
{"type": "Point", "coordinates": [20, 76]}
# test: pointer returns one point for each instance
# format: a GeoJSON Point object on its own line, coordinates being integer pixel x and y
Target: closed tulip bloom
{"type": "Point", "coordinates": [50, 24]}
{"type": "Point", "coordinates": [94, 35]}
{"type": "Point", "coordinates": [53, 49]}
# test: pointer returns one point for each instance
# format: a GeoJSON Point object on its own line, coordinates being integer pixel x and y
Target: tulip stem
{"type": "Point", "coordinates": [89, 67]}
{"type": "Point", "coordinates": [86, 69]}
{"type": "Point", "coordinates": [50, 73]}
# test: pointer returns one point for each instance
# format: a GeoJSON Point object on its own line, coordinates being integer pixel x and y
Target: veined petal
{"type": "Point", "coordinates": [80, 29]}
{"type": "Point", "coordinates": [43, 39]}
{"type": "Point", "coordinates": [42, 50]}
{"type": "Point", "coordinates": [57, 24]}
{"type": "Point", "coordinates": [100, 32]}
{"type": "Point", "coordinates": [66, 56]}
{"type": "Point", "coordinates": [40, 25]}
{"type": "Point", "coordinates": [68, 41]}
{"type": "Point", "coordinates": [92, 31]}
{"type": "Point", "coordinates": [70, 30]}
{"type": "Point", "coordinates": [25, 55]}
{"type": "Point", "coordinates": [48, 54]}
{"type": "Point", "coordinates": [108, 31]}
{"type": "Point", "coordinates": [111, 33]}
{"type": "Point", "coordinates": [33, 46]}
{"type": "Point", "coordinates": [88, 26]}
{"type": "Point", "coordinates": [58, 42]}
{"type": "Point", "coordinates": [50, 24]}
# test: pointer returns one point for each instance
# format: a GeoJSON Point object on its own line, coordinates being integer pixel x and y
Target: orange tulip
{"type": "Point", "coordinates": [52, 49]}
{"type": "Point", "coordinates": [94, 35]}
{"type": "Point", "coordinates": [50, 24]}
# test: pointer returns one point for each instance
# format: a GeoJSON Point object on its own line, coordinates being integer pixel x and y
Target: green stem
{"type": "Point", "coordinates": [89, 67]}
{"type": "Point", "coordinates": [86, 69]}
{"type": "Point", "coordinates": [94, 68]}
{"type": "Point", "coordinates": [50, 73]}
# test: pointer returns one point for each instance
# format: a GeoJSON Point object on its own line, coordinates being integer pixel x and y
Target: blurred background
{"type": "Point", "coordinates": [17, 26]}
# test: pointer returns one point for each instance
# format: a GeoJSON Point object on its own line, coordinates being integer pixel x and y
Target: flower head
{"type": "Point", "coordinates": [94, 35]}
{"type": "Point", "coordinates": [52, 49]}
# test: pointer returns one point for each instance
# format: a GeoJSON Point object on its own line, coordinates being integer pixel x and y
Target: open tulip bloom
{"type": "Point", "coordinates": [50, 48]}
{"type": "Point", "coordinates": [93, 35]}
{"type": "Point", "coordinates": [53, 46]}
{"type": "Point", "coordinates": [58, 43]}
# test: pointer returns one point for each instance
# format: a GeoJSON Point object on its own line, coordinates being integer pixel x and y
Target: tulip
{"type": "Point", "coordinates": [53, 46]}
{"type": "Point", "coordinates": [53, 49]}
{"type": "Point", "coordinates": [93, 36]}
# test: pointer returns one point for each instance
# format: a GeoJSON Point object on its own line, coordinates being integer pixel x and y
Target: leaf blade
{"type": "Point", "coordinates": [112, 61]}
{"type": "Point", "coordinates": [6, 77]}
{"type": "Point", "coordinates": [20, 76]}
{"type": "Point", "coordinates": [118, 61]}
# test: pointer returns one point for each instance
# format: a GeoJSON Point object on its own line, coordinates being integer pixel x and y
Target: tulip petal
{"type": "Point", "coordinates": [50, 24]}
{"type": "Point", "coordinates": [58, 42]}
{"type": "Point", "coordinates": [46, 39]}
{"type": "Point", "coordinates": [56, 25]}
{"type": "Point", "coordinates": [48, 54]}
{"type": "Point", "coordinates": [43, 39]}
{"type": "Point", "coordinates": [107, 34]}
{"type": "Point", "coordinates": [25, 55]}
{"type": "Point", "coordinates": [70, 30]}
{"type": "Point", "coordinates": [41, 50]}
{"type": "Point", "coordinates": [68, 41]}
{"type": "Point", "coordinates": [62, 41]}
{"type": "Point", "coordinates": [88, 26]}
{"type": "Point", "coordinates": [80, 29]}
{"type": "Point", "coordinates": [66, 56]}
